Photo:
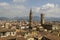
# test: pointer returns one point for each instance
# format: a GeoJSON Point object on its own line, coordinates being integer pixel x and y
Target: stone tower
{"type": "Point", "coordinates": [42, 19]}
{"type": "Point", "coordinates": [30, 19]}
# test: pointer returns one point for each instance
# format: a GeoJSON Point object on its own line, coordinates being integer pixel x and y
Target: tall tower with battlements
{"type": "Point", "coordinates": [30, 19]}
{"type": "Point", "coordinates": [42, 19]}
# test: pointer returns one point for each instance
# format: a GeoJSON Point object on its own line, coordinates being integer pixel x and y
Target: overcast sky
{"type": "Point", "coordinates": [20, 8]}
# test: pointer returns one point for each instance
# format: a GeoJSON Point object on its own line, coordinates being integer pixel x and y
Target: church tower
{"type": "Point", "coordinates": [30, 19]}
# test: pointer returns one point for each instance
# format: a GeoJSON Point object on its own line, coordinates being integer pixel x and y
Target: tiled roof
{"type": "Point", "coordinates": [50, 36]}
{"type": "Point", "coordinates": [6, 30]}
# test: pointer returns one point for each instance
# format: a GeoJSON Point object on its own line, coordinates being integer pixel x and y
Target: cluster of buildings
{"type": "Point", "coordinates": [29, 30]}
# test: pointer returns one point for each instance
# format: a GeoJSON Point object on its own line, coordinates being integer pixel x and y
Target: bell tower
{"type": "Point", "coordinates": [30, 19]}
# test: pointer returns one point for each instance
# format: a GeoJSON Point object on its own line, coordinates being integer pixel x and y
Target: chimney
{"type": "Point", "coordinates": [42, 19]}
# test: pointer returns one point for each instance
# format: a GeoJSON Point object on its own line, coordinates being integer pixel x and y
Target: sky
{"type": "Point", "coordinates": [21, 8]}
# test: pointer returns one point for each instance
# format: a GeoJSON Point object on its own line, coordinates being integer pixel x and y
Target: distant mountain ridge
{"type": "Point", "coordinates": [35, 18]}
{"type": "Point", "coordinates": [4, 18]}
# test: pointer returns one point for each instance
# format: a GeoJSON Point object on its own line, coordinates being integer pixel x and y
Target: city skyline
{"type": "Point", "coordinates": [21, 8]}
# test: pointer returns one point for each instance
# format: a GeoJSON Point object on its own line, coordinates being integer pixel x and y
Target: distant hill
{"type": "Point", "coordinates": [35, 18]}
{"type": "Point", "coordinates": [52, 19]}
{"type": "Point", "coordinates": [4, 18]}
